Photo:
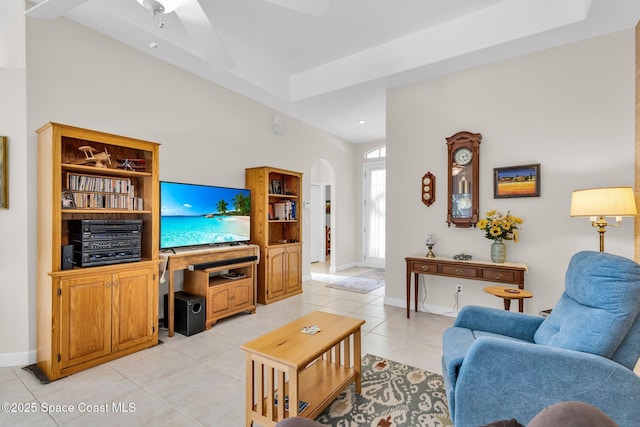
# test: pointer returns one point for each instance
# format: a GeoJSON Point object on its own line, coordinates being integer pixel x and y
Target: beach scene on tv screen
{"type": "Point", "coordinates": [192, 215]}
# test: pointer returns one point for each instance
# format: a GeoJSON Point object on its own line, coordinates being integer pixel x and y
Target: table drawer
{"type": "Point", "coordinates": [426, 267]}
{"type": "Point", "coordinates": [453, 270]}
{"type": "Point", "coordinates": [505, 276]}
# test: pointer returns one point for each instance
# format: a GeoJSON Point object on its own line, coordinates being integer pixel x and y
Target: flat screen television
{"type": "Point", "coordinates": [195, 215]}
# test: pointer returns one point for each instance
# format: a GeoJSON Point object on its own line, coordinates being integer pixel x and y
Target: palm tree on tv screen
{"type": "Point", "coordinates": [242, 204]}
{"type": "Point", "coordinates": [222, 207]}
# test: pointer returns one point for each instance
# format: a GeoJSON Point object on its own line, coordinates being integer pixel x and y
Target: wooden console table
{"type": "Point", "coordinates": [182, 260]}
{"type": "Point", "coordinates": [509, 272]}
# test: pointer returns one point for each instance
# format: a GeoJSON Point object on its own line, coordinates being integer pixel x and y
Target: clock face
{"type": "Point", "coordinates": [463, 156]}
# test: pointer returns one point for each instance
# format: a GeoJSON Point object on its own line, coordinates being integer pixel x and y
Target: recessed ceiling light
{"type": "Point", "coordinates": [361, 122]}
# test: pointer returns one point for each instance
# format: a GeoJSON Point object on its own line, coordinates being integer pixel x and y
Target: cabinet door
{"type": "Point", "coordinates": [242, 294]}
{"type": "Point", "coordinates": [219, 301]}
{"type": "Point", "coordinates": [293, 271]}
{"type": "Point", "coordinates": [275, 276]}
{"type": "Point", "coordinates": [135, 308]}
{"type": "Point", "coordinates": [85, 318]}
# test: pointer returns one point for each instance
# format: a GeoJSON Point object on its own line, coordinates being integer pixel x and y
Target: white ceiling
{"type": "Point", "coordinates": [331, 63]}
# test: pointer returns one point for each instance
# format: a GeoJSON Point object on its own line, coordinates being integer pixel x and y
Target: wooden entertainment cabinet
{"type": "Point", "coordinates": [276, 226]}
{"type": "Point", "coordinates": [204, 275]}
{"type": "Point", "coordinates": [90, 315]}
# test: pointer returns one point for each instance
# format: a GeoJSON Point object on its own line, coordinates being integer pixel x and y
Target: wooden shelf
{"type": "Point", "coordinates": [283, 196]}
{"type": "Point", "coordinates": [92, 170]}
{"type": "Point", "coordinates": [103, 211]}
{"type": "Point", "coordinates": [319, 385]}
{"type": "Point", "coordinates": [81, 314]}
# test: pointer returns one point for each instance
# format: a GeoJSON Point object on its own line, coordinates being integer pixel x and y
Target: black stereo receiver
{"type": "Point", "coordinates": [90, 259]}
{"type": "Point", "coordinates": [98, 227]}
{"type": "Point", "coordinates": [108, 241]}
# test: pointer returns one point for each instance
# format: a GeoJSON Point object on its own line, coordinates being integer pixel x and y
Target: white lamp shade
{"type": "Point", "coordinates": [611, 201]}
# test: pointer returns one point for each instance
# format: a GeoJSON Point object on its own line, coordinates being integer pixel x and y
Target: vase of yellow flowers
{"type": "Point", "coordinates": [499, 227]}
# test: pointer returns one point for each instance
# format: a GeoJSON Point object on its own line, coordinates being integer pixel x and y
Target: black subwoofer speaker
{"type": "Point", "coordinates": [188, 314]}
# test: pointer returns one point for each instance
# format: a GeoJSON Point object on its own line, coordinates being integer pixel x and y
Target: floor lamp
{"type": "Point", "coordinates": [598, 203]}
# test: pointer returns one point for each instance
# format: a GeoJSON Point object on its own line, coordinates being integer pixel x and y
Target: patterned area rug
{"type": "Point", "coordinates": [363, 283]}
{"type": "Point", "coordinates": [393, 395]}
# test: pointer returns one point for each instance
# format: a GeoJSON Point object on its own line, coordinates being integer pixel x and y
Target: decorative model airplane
{"type": "Point", "coordinates": [132, 164]}
{"type": "Point", "coordinates": [92, 155]}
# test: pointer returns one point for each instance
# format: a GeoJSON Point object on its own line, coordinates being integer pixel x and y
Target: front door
{"type": "Point", "coordinates": [375, 180]}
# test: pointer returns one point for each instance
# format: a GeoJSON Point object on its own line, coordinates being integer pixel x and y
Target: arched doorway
{"type": "Point", "coordinates": [322, 224]}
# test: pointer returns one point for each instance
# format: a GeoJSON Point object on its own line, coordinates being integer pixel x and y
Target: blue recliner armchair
{"type": "Point", "coordinates": [500, 365]}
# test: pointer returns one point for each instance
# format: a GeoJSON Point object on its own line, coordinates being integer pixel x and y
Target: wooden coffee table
{"type": "Point", "coordinates": [307, 369]}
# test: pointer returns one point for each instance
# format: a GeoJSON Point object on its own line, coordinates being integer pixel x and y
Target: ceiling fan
{"type": "Point", "coordinates": [192, 16]}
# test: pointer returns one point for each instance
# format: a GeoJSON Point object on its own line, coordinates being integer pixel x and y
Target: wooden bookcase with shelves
{"type": "Point", "coordinates": [87, 316]}
{"type": "Point", "coordinates": [276, 226]}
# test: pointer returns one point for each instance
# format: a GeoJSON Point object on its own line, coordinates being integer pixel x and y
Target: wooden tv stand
{"type": "Point", "coordinates": [224, 297]}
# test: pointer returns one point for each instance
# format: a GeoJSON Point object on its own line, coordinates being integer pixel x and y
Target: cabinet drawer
{"type": "Point", "coordinates": [506, 276]}
{"type": "Point", "coordinates": [452, 270]}
{"type": "Point", "coordinates": [424, 266]}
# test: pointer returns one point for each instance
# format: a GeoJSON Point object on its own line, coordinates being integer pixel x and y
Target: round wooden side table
{"type": "Point", "coordinates": [508, 294]}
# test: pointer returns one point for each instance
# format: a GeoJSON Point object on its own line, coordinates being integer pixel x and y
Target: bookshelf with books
{"type": "Point", "coordinates": [90, 191]}
{"type": "Point", "coordinates": [92, 314]}
{"type": "Point", "coordinates": [276, 226]}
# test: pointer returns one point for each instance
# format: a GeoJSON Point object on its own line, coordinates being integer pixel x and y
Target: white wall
{"type": "Point", "coordinates": [571, 109]}
{"type": "Point", "coordinates": [16, 313]}
{"type": "Point", "coordinates": [208, 134]}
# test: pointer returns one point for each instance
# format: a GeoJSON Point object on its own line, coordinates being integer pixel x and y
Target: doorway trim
{"type": "Point", "coordinates": [323, 175]}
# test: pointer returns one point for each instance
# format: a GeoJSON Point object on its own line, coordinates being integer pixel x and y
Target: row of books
{"type": "Point", "coordinates": [107, 201]}
{"type": "Point", "coordinates": [99, 184]}
{"type": "Point", "coordinates": [284, 210]}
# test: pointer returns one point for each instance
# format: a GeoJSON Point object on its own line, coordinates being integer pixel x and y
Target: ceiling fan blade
{"type": "Point", "coordinates": [201, 30]}
{"type": "Point", "coordinates": [310, 7]}
{"type": "Point", "coordinates": [50, 9]}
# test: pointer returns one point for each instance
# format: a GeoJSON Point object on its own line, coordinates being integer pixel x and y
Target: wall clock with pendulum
{"type": "Point", "coordinates": [463, 179]}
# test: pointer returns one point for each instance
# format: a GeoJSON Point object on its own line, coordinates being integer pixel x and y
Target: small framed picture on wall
{"type": "Point", "coordinates": [516, 181]}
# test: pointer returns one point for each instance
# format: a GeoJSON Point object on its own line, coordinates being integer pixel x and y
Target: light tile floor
{"type": "Point", "coordinates": [200, 380]}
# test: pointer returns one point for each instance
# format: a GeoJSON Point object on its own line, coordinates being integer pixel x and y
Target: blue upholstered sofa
{"type": "Point", "coordinates": [500, 365]}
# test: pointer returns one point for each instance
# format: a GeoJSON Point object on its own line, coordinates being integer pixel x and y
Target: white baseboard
{"type": "Point", "coordinates": [346, 266]}
{"type": "Point", "coordinates": [424, 308]}
{"type": "Point", "coordinates": [18, 359]}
